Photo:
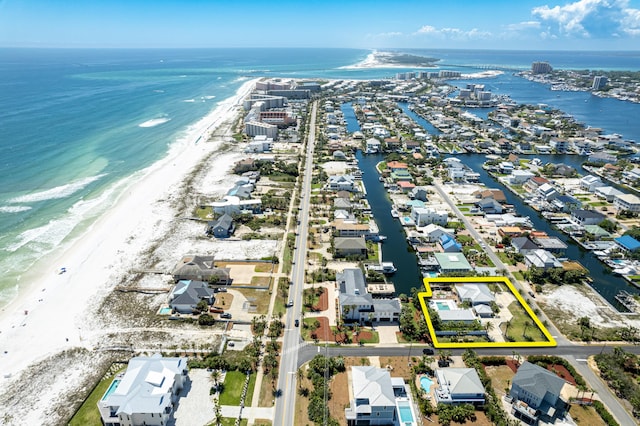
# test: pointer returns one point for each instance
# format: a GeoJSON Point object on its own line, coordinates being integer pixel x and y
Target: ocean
{"type": "Point", "coordinates": [76, 125]}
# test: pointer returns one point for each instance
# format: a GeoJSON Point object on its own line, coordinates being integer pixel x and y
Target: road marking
{"type": "Point", "coordinates": [581, 360]}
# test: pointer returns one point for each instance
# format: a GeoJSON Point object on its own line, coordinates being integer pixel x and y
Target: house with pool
{"type": "Point", "coordinates": [146, 393]}
{"type": "Point", "coordinates": [458, 386]}
{"type": "Point", "coordinates": [377, 399]}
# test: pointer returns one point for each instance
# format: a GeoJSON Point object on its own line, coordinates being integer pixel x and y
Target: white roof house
{"type": "Point", "coordinates": [373, 398]}
{"type": "Point", "coordinates": [459, 385]}
{"type": "Point", "coordinates": [474, 293]}
{"type": "Point", "coordinates": [541, 259]}
{"type": "Point", "coordinates": [145, 393]}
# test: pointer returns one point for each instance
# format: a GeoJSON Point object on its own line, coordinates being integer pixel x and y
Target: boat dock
{"type": "Point", "coordinates": [627, 300]}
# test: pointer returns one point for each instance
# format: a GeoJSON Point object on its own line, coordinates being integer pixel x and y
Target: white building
{"type": "Point", "coordinates": [372, 395]}
{"type": "Point", "coordinates": [627, 202]}
{"type": "Point", "coordinates": [255, 128]}
{"type": "Point", "coordinates": [590, 183]}
{"type": "Point", "coordinates": [423, 216]}
{"type": "Point", "coordinates": [518, 177]}
{"type": "Point", "coordinates": [146, 393]}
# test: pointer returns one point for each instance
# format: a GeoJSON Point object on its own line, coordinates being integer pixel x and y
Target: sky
{"type": "Point", "coordinates": [371, 24]}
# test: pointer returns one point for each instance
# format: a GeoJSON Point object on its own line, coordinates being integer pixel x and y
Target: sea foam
{"type": "Point", "coordinates": [61, 191]}
{"type": "Point", "coordinates": [14, 209]}
{"type": "Point", "coordinates": [154, 122]}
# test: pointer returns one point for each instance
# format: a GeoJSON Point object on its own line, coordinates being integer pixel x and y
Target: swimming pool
{"type": "Point", "coordinates": [406, 415]}
{"type": "Point", "coordinates": [426, 383]}
{"type": "Point", "coordinates": [112, 387]}
{"type": "Point", "coordinates": [165, 311]}
{"type": "Point", "coordinates": [442, 306]}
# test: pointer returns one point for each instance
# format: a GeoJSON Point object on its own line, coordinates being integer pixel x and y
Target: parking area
{"type": "Point", "coordinates": [195, 406]}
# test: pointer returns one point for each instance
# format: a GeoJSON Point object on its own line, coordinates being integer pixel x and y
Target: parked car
{"type": "Point", "coordinates": [297, 322]}
{"type": "Point", "coordinates": [290, 303]}
{"type": "Point", "coordinates": [226, 315]}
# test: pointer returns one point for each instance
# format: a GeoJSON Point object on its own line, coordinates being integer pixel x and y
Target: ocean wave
{"type": "Point", "coordinates": [14, 209]}
{"type": "Point", "coordinates": [154, 122]}
{"type": "Point", "coordinates": [189, 100]}
{"type": "Point", "coordinates": [61, 191]}
{"type": "Point", "coordinates": [208, 97]}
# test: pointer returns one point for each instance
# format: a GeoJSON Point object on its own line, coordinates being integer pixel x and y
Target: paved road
{"type": "Point", "coordinates": [292, 344]}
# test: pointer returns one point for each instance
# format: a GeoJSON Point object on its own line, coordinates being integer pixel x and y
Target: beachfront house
{"type": "Point", "coordinates": [222, 227]}
{"type": "Point", "coordinates": [201, 268]}
{"type": "Point", "coordinates": [373, 397]}
{"type": "Point", "coordinates": [146, 393]}
{"type": "Point", "coordinates": [536, 395]}
{"type": "Point", "coordinates": [186, 295]}
{"type": "Point", "coordinates": [459, 386]}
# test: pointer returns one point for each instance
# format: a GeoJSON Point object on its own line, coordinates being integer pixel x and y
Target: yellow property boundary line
{"type": "Point", "coordinates": [465, 280]}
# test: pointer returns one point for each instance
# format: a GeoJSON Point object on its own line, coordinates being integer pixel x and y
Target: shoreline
{"type": "Point", "coordinates": [49, 314]}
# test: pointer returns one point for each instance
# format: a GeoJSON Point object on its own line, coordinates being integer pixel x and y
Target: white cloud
{"type": "Point", "coordinates": [520, 26]}
{"type": "Point", "coordinates": [453, 33]}
{"type": "Point", "coordinates": [591, 18]}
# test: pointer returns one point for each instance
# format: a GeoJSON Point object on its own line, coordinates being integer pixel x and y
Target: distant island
{"type": "Point", "coordinates": [377, 59]}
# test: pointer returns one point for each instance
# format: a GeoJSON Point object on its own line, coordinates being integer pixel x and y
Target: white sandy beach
{"type": "Point", "coordinates": [53, 313]}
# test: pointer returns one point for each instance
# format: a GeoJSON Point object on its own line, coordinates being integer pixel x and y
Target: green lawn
{"type": "Point", "coordinates": [233, 383]}
{"type": "Point", "coordinates": [516, 330]}
{"type": "Point", "coordinates": [88, 413]}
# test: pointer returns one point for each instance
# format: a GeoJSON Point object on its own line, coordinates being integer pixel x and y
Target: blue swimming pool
{"type": "Point", "coordinates": [442, 306]}
{"type": "Point", "coordinates": [426, 383]}
{"type": "Point", "coordinates": [112, 387]}
{"type": "Point", "coordinates": [406, 416]}
{"type": "Point", "coordinates": [165, 311]}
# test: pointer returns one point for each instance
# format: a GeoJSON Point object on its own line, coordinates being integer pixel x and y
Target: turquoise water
{"type": "Point", "coordinates": [443, 306]}
{"type": "Point", "coordinates": [426, 383]}
{"type": "Point", "coordinates": [165, 311]}
{"type": "Point", "coordinates": [112, 387]}
{"type": "Point", "coordinates": [405, 413]}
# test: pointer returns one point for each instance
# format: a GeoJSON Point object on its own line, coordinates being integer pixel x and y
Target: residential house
{"type": "Point", "coordinates": [495, 194]}
{"type": "Point", "coordinates": [548, 192]}
{"type": "Point", "coordinates": [489, 205]}
{"type": "Point", "coordinates": [597, 233]}
{"type": "Point", "coordinates": [201, 268]}
{"type": "Point", "coordinates": [452, 262]}
{"type": "Point", "coordinates": [609, 193]}
{"type": "Point", "coordinates": [602, 158]}
{"type": "Point", "coordinates": [519, 177]}
{"type": "Point", "coordinates": [396, 165]}
{"type": "Point", "coordinates": [459, 386]}
{"type": "Point", "coordinates": [566, 203]}
{"type": "Point", "coordinates": [231, 204]}
{"type": "Point", "coordinates": [186, 295]}
{"type": "Point", "coordinates": [351, 228]}
{"type": "Point", "coordinates": [510, 231]}
{"type": "Point", "coordinates": [356, 304]}
{"type": "Point", "coordinates": [342, 183]}
{"type": "Point", "coordinates": [590, 183]}
{"type": "Point", "coordinates": [345, 246]}
{"type": "Point", "coordinates": [465, 316]}
{"type": "Point", "coordinates": [373, 146]}
{"type": "Point", "coordinates": [342, 204]}
{"type": "Point", "coordinates": [372, 396]}
{"type": "Point", "coordinates": [405, 186]}
{"type": "Point", "coordinates": [541, 259]}
{"type": "Point", "coordinates": [475, 294]}
{"type": "Point", "coordinates": [433, 232]}
{"type": "Point", "coordinates": [587, 217]}
{"type": "Point", "coordinates": [401, 175]}
{"type": "Point", "coordinates": [221, 228]}
{"type": "Point", "coordinates": [419, 193]}
{"type": "Point", "coordinates": [536, 394]}
{"type": "Point", "coordinates": [146, 393]}
{"type": "Point", "coordinates": [428, 215]}
{"type": "Point", "coordinates": [628, 202]}
{"type": "Point", "coordinates": [449, 244]}
{"type": "Point", "coordinates": [627, 243]}
{"type": "Point", "coordinates": [551, 244]}
{"type": "Point", "coordinates": [534, 183]}
{"type": "Point", "coordinates": [506, 167]}
{"type": "Point", "coordinates": [523, 245]}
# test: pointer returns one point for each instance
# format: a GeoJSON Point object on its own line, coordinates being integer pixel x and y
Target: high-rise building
{"type": "Point", "coordinates": [541, 68]}
{"type": "Point", "coordinates": [599, 81]}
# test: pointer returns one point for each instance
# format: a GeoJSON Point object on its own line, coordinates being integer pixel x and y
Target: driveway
{"type": "Point", "coordinates": [195, 406]}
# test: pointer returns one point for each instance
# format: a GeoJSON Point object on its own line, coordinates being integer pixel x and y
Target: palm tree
{"type": "Point", "coordinates": [215, 375]}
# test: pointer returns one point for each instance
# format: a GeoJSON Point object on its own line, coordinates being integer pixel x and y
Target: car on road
{"type": "Point", "coordinates": [532, 295]}
{"type": "Point", "coordinates": [290, 303]}
{"type": "Point", "coordinates": [226, 315]}
{"type": "Point", "coordinates": [428, 351]}
{"type": "Point", "coordinates": [297, 322]}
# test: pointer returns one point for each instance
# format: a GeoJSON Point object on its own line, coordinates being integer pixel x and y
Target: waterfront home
{"type": "Point", "coordinates": [396, 165]}
{"type": "Point", "coordinates": [597, 233]}
{"type": "Point", "coordinates": [489, 205]}
{"type": "Point", "coordinates": [506, 167]}
{"type": "Point", "coordinates": [356, 304]}
{"type": "Point", "coordinates": [510, 231]}
{"type": "Point", "coordinates": [146, 393]}
{"type": "Point", "coordinates": [342, 204]}
{"type": "Point", "coordinates": [609, 193]}
{"type": "Point", "coordinates": [373, 397]}
{"type": "Point", "coordinates": [457, 175]}
{"type": "Point", "coordinates": [627, 202]}
{"type": "Point", "coordinates": [464, 316]}
{"type": "Point", "coordinates": [543, 149]}
{"type": "Point", "coordinates": [345, 246]}
{"type": "Point", "coordinates": [453, 163]}
{"type": "Point", "coordinates": [372, 146]}
{"type": "Point", "coordinates": [350, 228]}
{"type": "Point", "coordinates": [433, 232]}
{"type": "Point", "coordinates": [586, 217]}
{"type": "Point", "coordinates": [602, 158]}
{"type": "Point", "coordinates": [231, 204]}
{"type": "Point", "coordinates": [534, 183]}
{"type": "Point", "coordinates": [459, 386]}
{"type": "Point", "coordinates": [541, 259]}
{"type": "Point", "coordinates": [342, 183]}
{"type": "Point", "coordinates": [406, 187]}
{"type": "Point", "coordinates": [475, 294]}
{"type": "Point", "coordinates": [452, 262]}
{"type": "Point", "coordinates": [419, 193]}
{"type": "Point", "coordinates": [548, 192]}
{"type": "Point", "coordinates": [590, 183]}
{"type": "Point", "coordinates": [222, 227]}
{"type": "Point", "coordinates": [401, 175]}
{"type": "Point", "coordinates": [426, 215]}
{"type": "Point", "coordinates": [495, 194]}
{"type": "Point", "coordinates": [523, 245]}
{"type": "Point", "coordinates": [519, 177]}
{"type": "Point", "coordinates": [566, 203]}
{"type": "Point", "coordinates": [200, 268]}
{"type": "Point", "coordinates": [449, 244]}
{"type": "Point", "coordinates": [551, 244]}
{"type": "Point", "coordinates": [186, 295]}
{"type": "Point", "coordinates": [508, 219]}
{"type": "Point", "coordinates": [627, 243]}
{"type": "Point", "coordinates": [536, 394]}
